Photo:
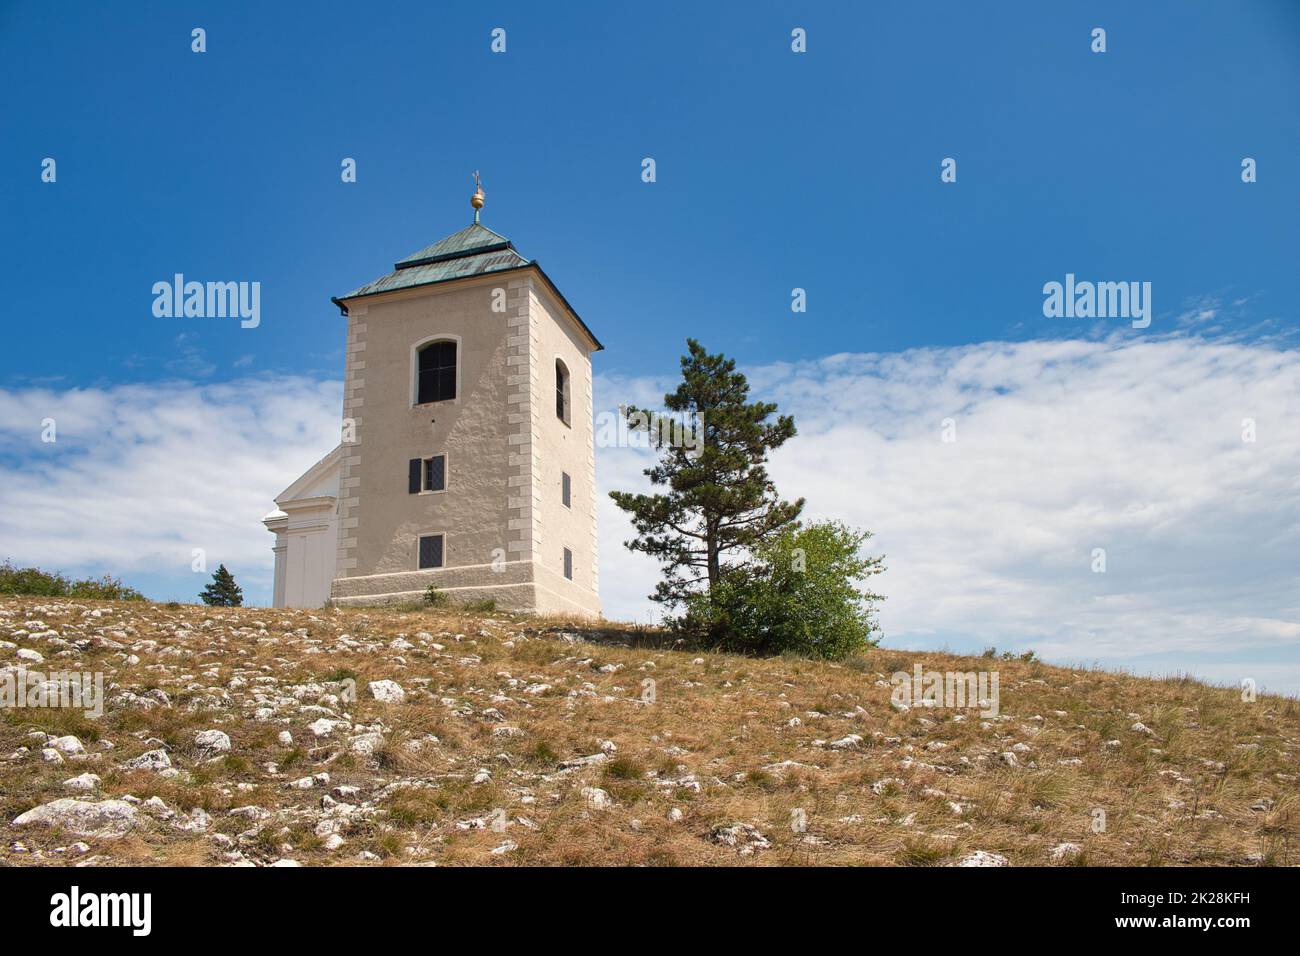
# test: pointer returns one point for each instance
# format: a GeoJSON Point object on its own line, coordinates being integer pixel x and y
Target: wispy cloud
{"type": "Point", "coordinates": [1062, 447]}
{"type": "Point", "coordinates": [142, 474]}
{"type": "Point", "coordinates": [1134, 446]}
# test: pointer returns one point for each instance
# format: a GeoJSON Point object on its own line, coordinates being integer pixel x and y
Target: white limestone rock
{"type": "Point", "coordinates": [982, 858]}
{"type": "Point", "coordinates": [150, 760]}
{"type": "Point", "coordinates": [106, 819]}
{"type": "Point", "coordinates": [387, 691]}
{"type": "Point", "coordinates": [87, 782]}
{"type": "Point", "coordinates": [212, 741]}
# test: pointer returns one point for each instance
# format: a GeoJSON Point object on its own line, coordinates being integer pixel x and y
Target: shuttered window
{"type": "Point", "coordinates": [427, 474]}
{"type": "Point", "coordinates": [435, 473]}
{"type": "Point", "coordinates": [568, 564]}
{"type": "Point", "coordinates": [437, 373]}
{"type": "Point", "coordinates": [430, 551]}
{"type": "Point", "coordinates": [565, 488]}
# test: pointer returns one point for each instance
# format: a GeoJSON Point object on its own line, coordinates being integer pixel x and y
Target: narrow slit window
{"type": "Point", "coordinates": [561, 392]}
{"type": "Point", "coordinates": [568, 564]}
{"type": "Point", "coordinates": [565, 489]}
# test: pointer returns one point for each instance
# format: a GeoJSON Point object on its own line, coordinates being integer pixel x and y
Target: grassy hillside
{"type": "Point", "coordinates": [521, 741]}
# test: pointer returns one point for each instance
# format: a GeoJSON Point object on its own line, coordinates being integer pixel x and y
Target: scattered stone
{"type": "Point", "coordinates": [87, 782]}
{"type": "Point", "coordinates": [745, 838]}
{"type": "Point", "coordinates": [212, 741]}
{"type": "Point", "coordinates": [387, 691]}
{"type": "Point", "coordinates": [982, 858]}
{"type": "Point", "coordinates": [150, 760]}
{"type": "Point", "coordinates": [324, 727]}
{"type": "Point", "coordinates": [1064, 851]}
{"type": "Point", "coordinates": [366, 744]}
{"type": "Point", "coordinates": [107, 819]}
{"type": "Point", "coordinates": [880, 786]}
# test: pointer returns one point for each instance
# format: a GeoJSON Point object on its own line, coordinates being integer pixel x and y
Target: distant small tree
{"type": "Point", "coordinates": [800, 596]}
{"type": "Point", "coordinates": [223, 591]}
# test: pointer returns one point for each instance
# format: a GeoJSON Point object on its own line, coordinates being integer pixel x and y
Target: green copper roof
{"type": "Point", "coordinates": [475, 250]}
{"type": "Point", "coordinates": [473, 238]}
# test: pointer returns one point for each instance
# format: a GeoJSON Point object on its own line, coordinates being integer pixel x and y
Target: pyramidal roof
{"type": "Point", "coordinates": [475, 250]}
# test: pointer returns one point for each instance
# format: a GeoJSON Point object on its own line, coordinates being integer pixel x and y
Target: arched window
{"type": "Point", "coordinates": [561, 392]}
{"type": "Point", "coordinates": [437, 373]}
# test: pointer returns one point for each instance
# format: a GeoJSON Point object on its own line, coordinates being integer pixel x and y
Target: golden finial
{"type": "Point", "coordinates": [477, 199]}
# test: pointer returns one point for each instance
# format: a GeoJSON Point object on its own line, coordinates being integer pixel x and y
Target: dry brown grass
{"type": "Point", "coordinates": [710, 746]}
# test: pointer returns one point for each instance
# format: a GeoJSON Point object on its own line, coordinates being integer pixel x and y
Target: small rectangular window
{"type": "Point", "coordinates": [435, 473]}
{"type": "Point", "coordinates": [568, 564]}
{"type": "Point", "coordinates": [565, 488]}
{"type": "Point", "coordinates": [430, 551]}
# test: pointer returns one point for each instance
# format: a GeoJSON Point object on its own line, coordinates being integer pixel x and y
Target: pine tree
{"type": "Point", "coordinates": [223, 591]}
{"type": "Point", "coordinates": [720, 502]}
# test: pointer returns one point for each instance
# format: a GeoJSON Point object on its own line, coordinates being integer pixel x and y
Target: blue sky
{"type": "Point", "coordinates": [775, 170]}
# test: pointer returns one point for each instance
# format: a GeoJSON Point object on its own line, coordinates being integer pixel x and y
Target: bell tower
{"type": "Point", "coordinates": [468, 461]}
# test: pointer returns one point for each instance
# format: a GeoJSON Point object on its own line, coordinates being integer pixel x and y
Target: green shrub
{"type": "Point", "coordinates": [106, 588]}
{"type": "Point", "coordinates": [800, 596]}
{"type": "Point", "coordinates": [40, 583]}
{"type": "Point", "coordinates": [435, 598]}
{"type": "Point", "coordinates": [31, 581]}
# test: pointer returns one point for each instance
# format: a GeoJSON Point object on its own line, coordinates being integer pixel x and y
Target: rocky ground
{"type": "Point", "coordinates": [252, 736]}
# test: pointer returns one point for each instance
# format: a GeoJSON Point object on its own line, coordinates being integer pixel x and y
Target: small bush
{"type": "Point", "coordinates": [40, 583]}
{"type": "Point", "coordinates": [435, 598]}
{"type": "Point", "coordinates": [106, 588]}
{"type": "Point", "coordinates": [801, 597]}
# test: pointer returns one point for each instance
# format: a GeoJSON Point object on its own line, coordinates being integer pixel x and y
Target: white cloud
{"type": "Point", "coordinates": [1062, 447]}
{"type": "Point", "coordinates": [142, 474]}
